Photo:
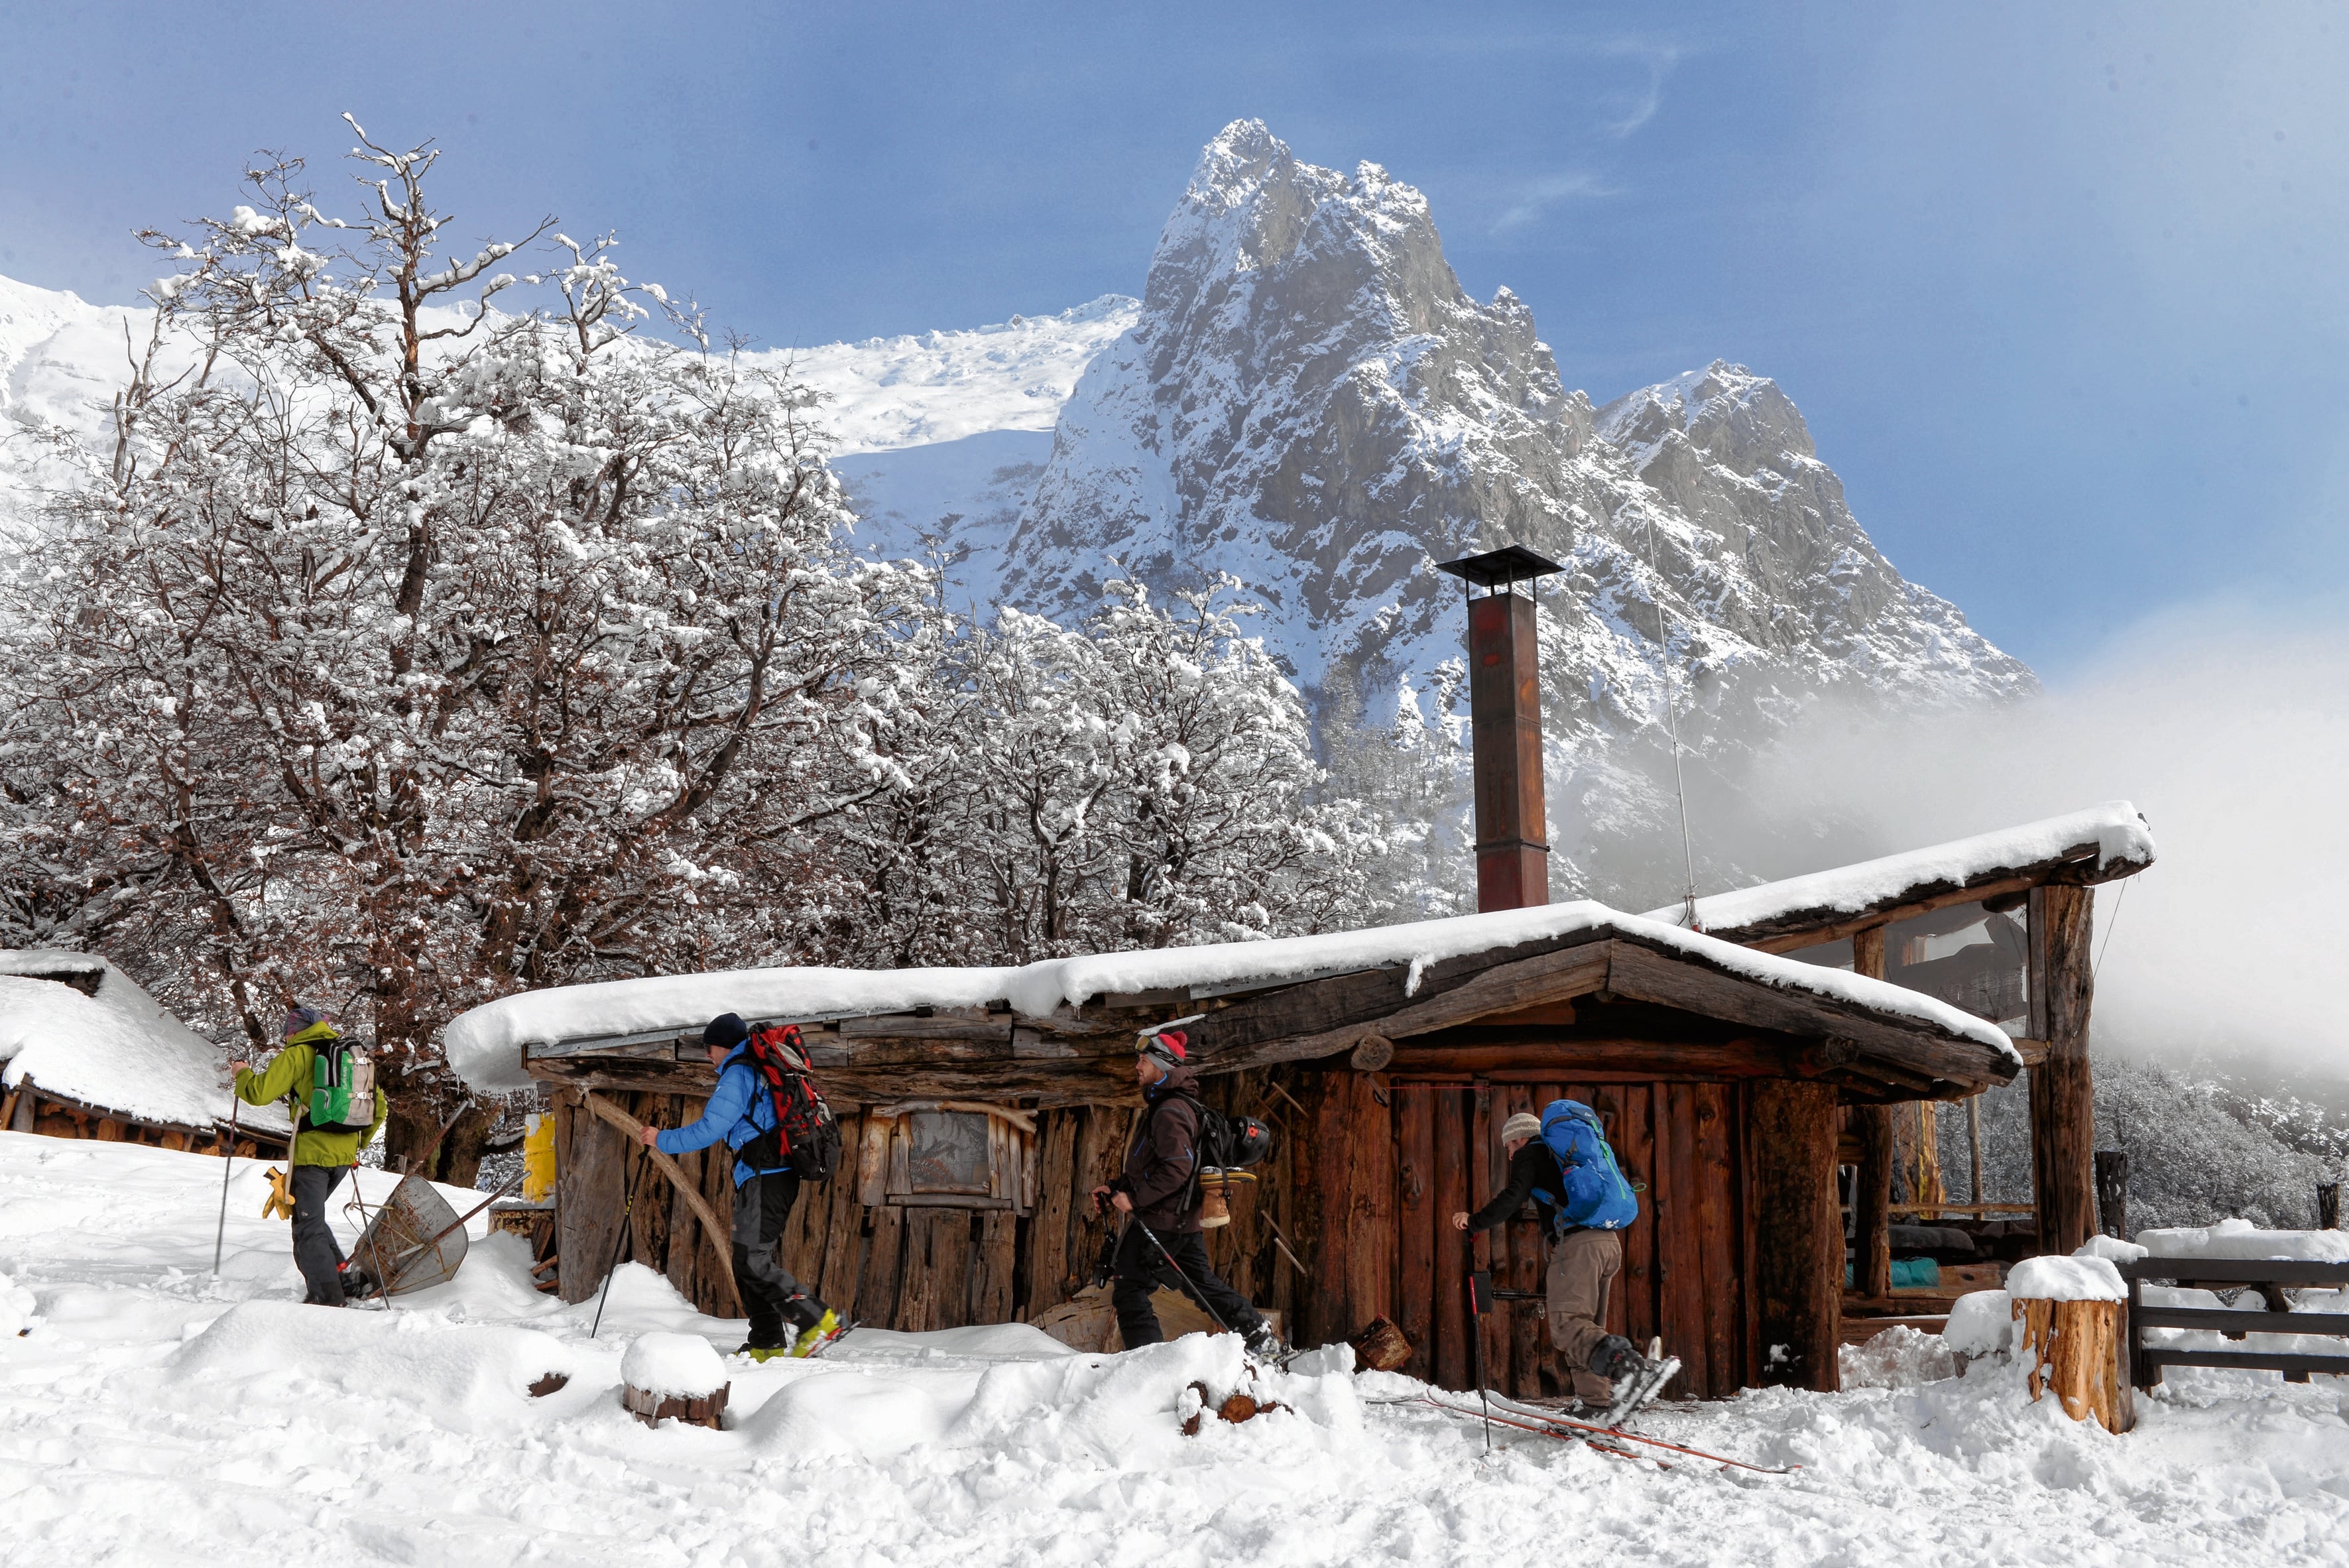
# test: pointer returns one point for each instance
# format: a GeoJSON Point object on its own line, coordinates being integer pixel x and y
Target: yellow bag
{"type": "Point", "coordinates": [538, 1159]}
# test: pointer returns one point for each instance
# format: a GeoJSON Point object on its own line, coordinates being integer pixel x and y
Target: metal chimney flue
{"type": "Point", "coordinates": [1505, 721]}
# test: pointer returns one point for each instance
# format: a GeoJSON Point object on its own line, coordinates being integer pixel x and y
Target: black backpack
{"type": "Point", "coordinates": [805, 1136]}
{"type": "Point", "coordinates": [1226, 1142]}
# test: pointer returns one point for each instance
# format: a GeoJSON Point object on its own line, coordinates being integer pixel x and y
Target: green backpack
{"type": "Point", "coordinates": [342, 1088]}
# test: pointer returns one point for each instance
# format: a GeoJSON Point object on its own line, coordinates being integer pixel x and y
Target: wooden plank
{"type": "Point", "coordinates": [880, 1296]}
{"type": "Point", "coordinates": [2257, 1361]}
{"type": "Point", "coordinates": [1050, 1280]}
{"type": "Point", "coordinates": [1485, 1178]}
{"type": "Point", "coordinates": [1549, 1376]}
{"type": "Point", "coordinates": [1101, 1143]}
{"type": "Point", "coordinates": [1680, 1228]}
{"type": "Point", "coordinates": [1414, 1311]}
{"type": "Point", "coordinates": [2239, 1271]}
{"type": "Point", "coordinates": [1528, 1335]}
{"type": "Point", "coordinates": [945, 1283]}
{"type": "Point", "coordinates": [648, 1241]}
{"type": "Point", "coordinates": [1635, 1147]}
{"type": "Point", "coordinates": [590, 1168]}
{"type": "Point", "coordinates": [2063, 1094]}
{"type": "Point", "coordinates": [873, 1161]}
{"type": "Point", "coordinates": [1454, 1352]}
{"type": "Point", "coordinates": [2230, 1322]}
{"type": "Point", "coordinates": [843, 1243]}
{"type": "Point", "coordinates": [1718, 1238]}
{"type": "Point", "coordinates": [1606, 1099]}
{"type": "Point", "coordinates": [1797, 1270]}
{"type": "Point", "coordinates": [993, 1267]}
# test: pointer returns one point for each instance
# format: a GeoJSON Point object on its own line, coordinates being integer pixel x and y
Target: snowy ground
{"type": "Point", "coordinates": [153, 1414]}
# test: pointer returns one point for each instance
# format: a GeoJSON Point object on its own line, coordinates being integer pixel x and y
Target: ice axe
{"type": "Point", "coordinates": [1480, 1302]}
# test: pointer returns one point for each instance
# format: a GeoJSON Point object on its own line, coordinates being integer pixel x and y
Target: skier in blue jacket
{"type": "Point", "coordinates": [786, 1319]}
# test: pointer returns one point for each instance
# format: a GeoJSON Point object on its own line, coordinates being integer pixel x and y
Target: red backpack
{"type": "Point", "coordinates": [805, 1136]}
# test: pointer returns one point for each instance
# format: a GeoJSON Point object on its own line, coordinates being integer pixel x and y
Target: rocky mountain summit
{"type": "Point", "coordinates": [1310, 401]}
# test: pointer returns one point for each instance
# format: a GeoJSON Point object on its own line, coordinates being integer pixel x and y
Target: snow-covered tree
{"type": "Point", "coordinates": [421, 646]}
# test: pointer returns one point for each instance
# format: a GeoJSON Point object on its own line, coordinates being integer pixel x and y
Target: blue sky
{"type": "Point", "coordinates": [2060, 288]}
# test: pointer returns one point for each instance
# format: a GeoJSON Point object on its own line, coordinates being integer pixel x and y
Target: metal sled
{"type": "Point", "coordinates": [412, 1243]}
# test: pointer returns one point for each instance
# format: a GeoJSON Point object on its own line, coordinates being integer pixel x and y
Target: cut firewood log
{"type": "Point", "coordinates": [1380, 1347]}
{"type": "Point", "coordinates": [651, 1409]}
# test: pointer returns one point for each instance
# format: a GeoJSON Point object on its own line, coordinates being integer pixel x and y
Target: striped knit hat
{"type": "Point", "coordinates": [1524, 1124]}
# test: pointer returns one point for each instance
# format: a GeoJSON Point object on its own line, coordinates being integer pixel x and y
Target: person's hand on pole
{"type": "Point", "coordinates": [646, 1135]}
{"type": "Point", "coordinates": [1122, 1201]}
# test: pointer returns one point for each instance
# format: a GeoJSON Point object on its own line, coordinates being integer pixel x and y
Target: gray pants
{"type": "Point", "coordinates": [315, 1252]}
{"type": "Point", "coordinates": [769, 1294]}
{"type": "Point", "coordinates": [1582, 1268]}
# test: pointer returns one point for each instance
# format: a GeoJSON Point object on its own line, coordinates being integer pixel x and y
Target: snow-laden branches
{"type": "Point", "coordinates": [410, 654]}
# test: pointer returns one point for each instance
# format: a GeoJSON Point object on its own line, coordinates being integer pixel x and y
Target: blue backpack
{"type": "Point", "coordinates": [1595, 1196]}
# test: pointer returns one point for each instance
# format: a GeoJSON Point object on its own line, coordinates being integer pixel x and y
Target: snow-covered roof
{"type": "Point", "coordinates": [119, 1050]}
{"type": "Point", "coordinates": [485, 1045]}
{"type": "Point", "coordinates": [2122, 844]}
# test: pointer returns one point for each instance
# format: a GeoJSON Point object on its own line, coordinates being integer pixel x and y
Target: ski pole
{"type": "Point", "coordinates": [228, 1154]}
{"type": "Point", "coordinates": [1193, 1291]}
{"type": "Point", "coordinates": [627, 1204]}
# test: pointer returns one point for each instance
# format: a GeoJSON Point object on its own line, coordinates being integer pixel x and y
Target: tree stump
{"type": "Point", "coordinates": [651, 1409]}
{"type": "Point", "coordinates": [2075, 1348]}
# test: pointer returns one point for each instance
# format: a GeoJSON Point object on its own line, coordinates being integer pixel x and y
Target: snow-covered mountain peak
{"type": "Point", "coordinates": [1726, 411]}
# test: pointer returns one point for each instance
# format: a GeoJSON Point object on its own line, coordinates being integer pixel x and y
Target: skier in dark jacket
{"type": "Point", "coordinates": [786, 1319]}
{"type": "Point", "coordinates": [1158, 1189]}
{"type": "Point", "coordinates": [1583, 1265]}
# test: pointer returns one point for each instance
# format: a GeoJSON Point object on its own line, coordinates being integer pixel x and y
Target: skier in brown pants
{"type": "Point", "coordinates": [1583, 1265]}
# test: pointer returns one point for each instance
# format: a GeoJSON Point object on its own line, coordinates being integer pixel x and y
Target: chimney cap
{"type": "Point", "coordinates": [1500, 569]}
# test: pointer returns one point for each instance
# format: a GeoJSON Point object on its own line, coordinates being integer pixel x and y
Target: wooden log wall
{"type": "Point", "coordinates": [908, 1267]}
{"type": "Point", "coordinates": [1796, 1274]}
{"type": "Point", "coordinates": [2063, 1092]}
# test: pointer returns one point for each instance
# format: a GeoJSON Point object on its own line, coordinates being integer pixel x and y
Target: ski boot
{"type": "Point", "coordinates": [818, 1334]}
{"type": "Point", "coordinates": [1266, 1346]}
{"type": "Point", "coordinates": [1637, 1379]}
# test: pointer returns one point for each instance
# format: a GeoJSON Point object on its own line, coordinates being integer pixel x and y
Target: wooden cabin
{"type": "Point", "coordinates": [980, 1108]}
{"type": "Point", "coordinates": [85, 1053]}
{"type": "Point", "coordinates": [1737, 1051]}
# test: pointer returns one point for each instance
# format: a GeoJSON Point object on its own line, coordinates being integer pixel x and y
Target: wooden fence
{"type": "Point", "coordinates": [2269, 1276]}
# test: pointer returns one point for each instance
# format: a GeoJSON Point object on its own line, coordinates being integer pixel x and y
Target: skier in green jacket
{"type": "Point", "coordinates": [320, 1157]}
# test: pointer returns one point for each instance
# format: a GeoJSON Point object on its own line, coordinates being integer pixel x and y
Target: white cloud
{"type": "Point", "coordinates": [1537, 196]}
{"type": "Point", "coordinates": [2227, 724]}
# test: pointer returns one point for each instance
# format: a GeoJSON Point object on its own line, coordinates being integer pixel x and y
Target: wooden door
{"type": "Point", "coordinates": [1683, 1276]}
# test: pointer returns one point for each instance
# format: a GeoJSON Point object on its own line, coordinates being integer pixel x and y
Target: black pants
{"type": "Point", "coordinates": [315, 1252]}
{"type": "Point", "coordinates": [769, 1294]}
{"type": "Point", "coordinates": [1138, 1268]}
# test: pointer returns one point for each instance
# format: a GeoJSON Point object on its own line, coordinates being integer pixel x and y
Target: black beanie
{"type": "Point", "coordinates": [725, 1032]}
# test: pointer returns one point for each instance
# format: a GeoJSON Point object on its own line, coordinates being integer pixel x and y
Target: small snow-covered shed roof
{"type": "Point", "coordinates": [2102, 843]}
{"type": "Point", "coordinates": [82, 1030]}
{"type": "Point", "coordinates": [1399, 979]}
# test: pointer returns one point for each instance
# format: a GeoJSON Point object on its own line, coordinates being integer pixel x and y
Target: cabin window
{"type": "Point", "coordinates": [948, 1154]}
{"type": "Point", "coordinates": [1968, 956]}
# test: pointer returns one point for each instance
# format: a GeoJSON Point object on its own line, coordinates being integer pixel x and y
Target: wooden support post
{"type": "Point", "coordinates": [2112, 1192]}
{"type": "Point", "coordinates": [1872, 1202]}
{"type": "Point", "coordinates": [2328, 1205]}
{"type": "Point", "coordinates": [1797, 1285]}
{"type": "Point", "coordinates": [1973, 1144]}
{"type": "Point", "coordinates": [2063, 1094]}
{"type": "Point", "coordinates": [1872, 1198]}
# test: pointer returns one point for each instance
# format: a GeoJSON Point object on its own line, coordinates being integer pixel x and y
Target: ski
{"type": "Point", "coordinates": [1568, 1429]}
{"type": "Point", "coordinates": [1596, 1442]}
{"type": "Point", "coordinates": [816, 1351]}
{"type": "Point", "coordinates": [1644, 1388]}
